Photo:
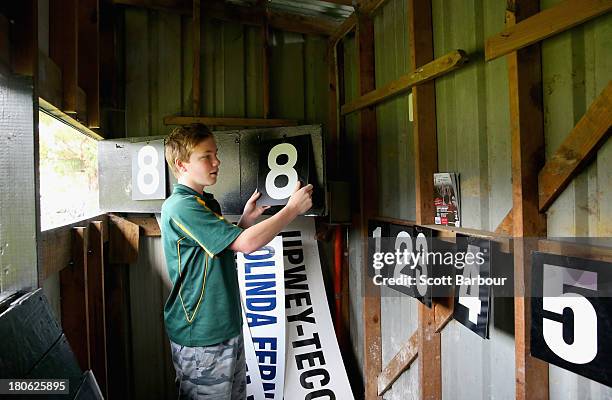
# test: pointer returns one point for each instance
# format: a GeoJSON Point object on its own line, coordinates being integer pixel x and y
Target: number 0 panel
{"type": "Point", "coordinates": [571, 314]}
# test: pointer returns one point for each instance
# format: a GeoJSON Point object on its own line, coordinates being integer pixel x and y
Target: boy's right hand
{"type": "Point", "coordinates": [301, 199]}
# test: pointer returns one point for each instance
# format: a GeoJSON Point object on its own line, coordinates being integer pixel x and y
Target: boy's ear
{"type": "Point", "coordinates": [180, 166]}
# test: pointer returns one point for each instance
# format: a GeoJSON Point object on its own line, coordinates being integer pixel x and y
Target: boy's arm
{"type": "Point", "coordinates": [262, 233]}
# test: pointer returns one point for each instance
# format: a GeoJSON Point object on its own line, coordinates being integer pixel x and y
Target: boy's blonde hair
{"type": "Point", "coordinates": [182, 140]}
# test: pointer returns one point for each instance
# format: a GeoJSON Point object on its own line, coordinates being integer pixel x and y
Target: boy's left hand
{"type": "Point", "coordinates": [251, 211]}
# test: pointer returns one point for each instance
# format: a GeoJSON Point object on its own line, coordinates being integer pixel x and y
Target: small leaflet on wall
{"type": "Point", "coordinates": [447, 199]}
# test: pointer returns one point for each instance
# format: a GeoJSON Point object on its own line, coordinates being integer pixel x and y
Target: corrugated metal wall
{"type": "Point", "coordinates": [158, 83]}
{"type": "Point", "coordinates": [473, 131]}
{"type": "Point", "coordinates": [576, 67]}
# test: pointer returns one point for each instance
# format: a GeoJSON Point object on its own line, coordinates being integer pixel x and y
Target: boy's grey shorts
{"type": "Point", "coordinates": [216, 372]}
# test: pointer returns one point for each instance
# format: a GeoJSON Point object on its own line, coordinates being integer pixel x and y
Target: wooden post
{"type": "Point", "coordinates": [265, 37]}
{"type": "Point", "coordinates": [527, 128]}
{"type": "Point", "coordinates": [197, 37]}
{"type": "Point", "coordinates": [89, 59]}
{"type": "Point", "coordinates": [372, 357]}
{"type": "Point", "coordinates": [63, 31]}
{"type": "Point", "coordinates": [73, 293]}
{"type": "Point", "coordinates": [95, 303]}
{"type": "Point", "coordinates": [426, 164]}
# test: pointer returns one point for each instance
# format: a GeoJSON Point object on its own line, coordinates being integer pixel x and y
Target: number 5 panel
{"type": "Point", "coordinates": [571, 314]}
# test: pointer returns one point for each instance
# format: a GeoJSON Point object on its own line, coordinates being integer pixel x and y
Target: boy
{"type": "Point", "coordinates": [202, 314]}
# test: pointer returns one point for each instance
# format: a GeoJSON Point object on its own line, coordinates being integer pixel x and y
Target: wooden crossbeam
{"type": "Point", "coordinates": [426, 73]}
{"type": "Point", "coordinates": [443, 312]}
{"type": "Point", "coordinates": [369, 6]}
{"type": "Point", "coordinates": [544, 24]}
{"type": "Point", "coordinates": [305, 24]}
{"type": "Point", "coordinates": [345, 27]}
{"type": "Point", "coordinates": [505, 227]}
{"type": "Point", "coordinates": [398, 364]}
{"type": "Point", "coordinates": [223, 121]}
{"type": "Point", "coordinates": [124, 239]}
{"type": "Point", "coordinates": [577, 149]}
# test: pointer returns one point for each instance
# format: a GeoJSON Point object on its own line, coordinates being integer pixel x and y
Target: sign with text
{"type": "Point", "coordinates": [261, 279]}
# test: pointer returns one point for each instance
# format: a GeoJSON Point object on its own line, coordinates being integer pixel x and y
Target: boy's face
{"type": "Point", "coordinates": [203, 165]}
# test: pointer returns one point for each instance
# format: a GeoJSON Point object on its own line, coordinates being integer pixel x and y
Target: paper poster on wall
{"type": "Point", "coordinates": [261, 279]}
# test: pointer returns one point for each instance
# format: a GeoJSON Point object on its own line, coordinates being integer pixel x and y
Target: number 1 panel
{"type": "Point", "coordinates": [571, 314]}
{"type": "Point", "coordinates": [281, 164]}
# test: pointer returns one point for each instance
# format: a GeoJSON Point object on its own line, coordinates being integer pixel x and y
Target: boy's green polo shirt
{"type": "Point", "coordinates": [204, 304]}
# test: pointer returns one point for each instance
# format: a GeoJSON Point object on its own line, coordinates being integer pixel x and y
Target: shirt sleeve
{"type": "Point", "coordinates": [209, 230]}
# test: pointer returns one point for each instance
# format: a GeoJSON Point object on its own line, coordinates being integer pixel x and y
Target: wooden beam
{"type": "Point", "coordinates": [149, 225]}
{"type": "Point", "coordinates": [332, 119]}
{"type": "Point", "coordinates": [569, 249]}
{"type": "Point", "coordinates": [426, 163]}
{"type": "Point", "coordinates": [426, 73]}
{"type": "Point", "coordinates": [222, 121]}
{"type": "Point", "coordinates": [505, 227]}
{"type": "Point", "coordinates": [443, 312]}
{"type": "Point", "coordinates": [305, 24]}
{"type": "Point", "coordinates": [369, 6]}
{"type": "Point", "coordinates": [577, 149]}
{"type": "Point", "coordinates": [73, 293]}
{"type": "Point", "coordinates": [63, 34]}
{"type": "Point", "coordinates": [345, 27]}
{"type": "Point", "coordinates": [23, 35]}
{"type": "Point", "coordinates": [398, 364]}
{"type": "Point", "coordinates": [89, 58]}
{"type": "Point", "coordinates": [372, 358]}
{"type": "Point", "coordinates": [544, 24]}
{"type": "Point", "coordinates": [527, 130]}
{"type": "Point", "coordinates": [197, 37]}
{"type": "Point", "coordinates": [70, 120]}
{"type": "Point", "coordinates": [49, 80]}
{"type": "Point", "coordinates": [96, 303]}
{"type": "Point", "coordinates": [505, 242]}
{"type": "Point", "coordinates": [124, 239]}
{"type": "Point", "coordinates": [5, 43]}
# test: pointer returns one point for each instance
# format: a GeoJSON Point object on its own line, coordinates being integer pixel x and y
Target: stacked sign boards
{"type": "Point", "coordinates": [571, 306]}
{"type": "Point", "coordinates": [134, 176]}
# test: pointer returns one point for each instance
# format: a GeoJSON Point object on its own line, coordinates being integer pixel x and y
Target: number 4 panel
{"type": "Point", "coordinates": [281, 164]}
{"type": "Point", "coordinates": [571, 314]}
{"type": "Point", "coordinates": [472, 301]}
